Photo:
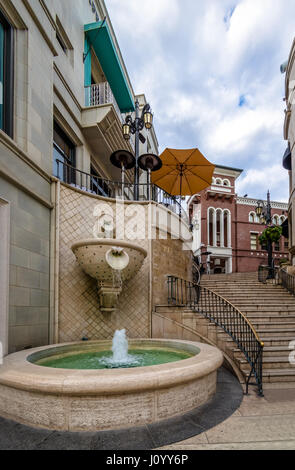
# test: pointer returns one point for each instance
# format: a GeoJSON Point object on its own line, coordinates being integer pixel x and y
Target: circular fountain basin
{"type": "Point", "coordinates": [98, 399]}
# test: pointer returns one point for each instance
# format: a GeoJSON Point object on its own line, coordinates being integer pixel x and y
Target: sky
{"type": "Point", "coordinates": [211, 71]}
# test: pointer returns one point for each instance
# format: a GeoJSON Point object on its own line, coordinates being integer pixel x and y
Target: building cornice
{"type": "Point", "coordinates": [253, 202]}
{"type": "Point", "coordinates": [226, 171]}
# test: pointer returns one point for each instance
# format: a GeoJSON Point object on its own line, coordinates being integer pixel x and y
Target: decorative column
{"type": "Point", "coordinates": [229, 229]}
{"type": "Point", "coordinates": [214, 229]}
{"type": "Point", "coordinates": [222, 229]}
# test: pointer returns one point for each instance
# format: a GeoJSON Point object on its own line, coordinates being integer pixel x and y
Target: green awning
{"type": "Point", "coordinates": [101, 40]}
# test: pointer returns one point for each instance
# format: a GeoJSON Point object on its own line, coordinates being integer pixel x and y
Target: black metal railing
{"type": "Point", "coordinates": [287, 281]}
{"type": "Point", "coordinates": [114, 189]}
{"type": "Point", "coordinates": [268, 275]}
{"type": "Point", "coordinates": [218, 310]}
{"type": "Point", "coordinates": [196, 272]}
{"type": "Point", "coordinates": [277, 276]}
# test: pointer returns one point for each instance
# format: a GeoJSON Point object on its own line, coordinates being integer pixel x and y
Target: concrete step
{"type": "Point", "coordinates": [230, 276]}
{"type": "Point", "coordinates": [272, 310]}
{"type": "Point", "coordinates": [281, 333]}
{"type": "Point", "coordinates": [275, 317]}
{"type": "Point", "coordinates": [272, 325]}
{"type": "Point", "coordinates": [245, 308]}
{"type": "Point", "coordinates": [277, 341]}
{"type": "Point", "coordinates": [275, 363]}
{"type": "Point", "coordinates": [253, 293]}
{"type": "Point", "coordinates": [269, 352]}
{"type": "Point", "coordinates": [261, 325]}
{"type": "Point", "coordinates": [278, 375]}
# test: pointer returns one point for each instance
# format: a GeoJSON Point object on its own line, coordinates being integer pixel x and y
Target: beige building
{"type": "Point", "coordinates": [64, 94]}
{"type": "Point", "coordinates": [289, 134]}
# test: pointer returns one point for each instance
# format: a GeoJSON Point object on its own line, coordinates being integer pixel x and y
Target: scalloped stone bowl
{"type": "Point", "coordinates": [89, 400]}
{"type": "Point", "coordinates": [91, 255]}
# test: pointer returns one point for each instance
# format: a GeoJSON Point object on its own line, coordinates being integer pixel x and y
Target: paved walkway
{"type": "Point", "coordinates": [259, 423]}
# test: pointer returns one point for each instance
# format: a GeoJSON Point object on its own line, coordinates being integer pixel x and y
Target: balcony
{"type": "Point", "coordinates": [102, 125]}
{"type": "Point", "coordinates": [101, 94]}
{"type": "Point", "coordinates": [123, 190]}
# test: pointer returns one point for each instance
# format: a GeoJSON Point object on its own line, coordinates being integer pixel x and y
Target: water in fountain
{"type": "Point", "coordinates": [120, 346]}
{"type": "Point", "coordinates": [117, 278]}
{"type": "Point", "coordinates": [120, 357]}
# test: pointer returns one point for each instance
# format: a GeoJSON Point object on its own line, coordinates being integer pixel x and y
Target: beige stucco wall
{"type": "Point", "coordinates": [289, 135]}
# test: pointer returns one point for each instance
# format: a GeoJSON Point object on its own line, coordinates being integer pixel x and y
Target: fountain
{"type": "Point", "coordinates": [71, 389]}
{"type": "Point", "coordinates": [111, 262]}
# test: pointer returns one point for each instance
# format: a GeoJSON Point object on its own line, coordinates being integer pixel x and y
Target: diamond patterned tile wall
{"type": "Point", "coordinates": [79, 313]}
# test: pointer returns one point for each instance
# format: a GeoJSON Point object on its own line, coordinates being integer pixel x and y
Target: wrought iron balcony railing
{"type": "Point", "coordinates": [99, 94]}
{"type": "Point", "coordinates": [113, 189]}
{"type": "Point", "coordinates": [219, 311]}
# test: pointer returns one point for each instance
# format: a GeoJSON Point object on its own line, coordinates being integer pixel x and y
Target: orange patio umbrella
{"type": "Point", "coordinates": [184, 172]}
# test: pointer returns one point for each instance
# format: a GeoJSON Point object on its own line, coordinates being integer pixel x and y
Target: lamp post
{"type": "Point", "coordinates": [135, 127]}
{"type": "Point", "coordinates": [263, 211]}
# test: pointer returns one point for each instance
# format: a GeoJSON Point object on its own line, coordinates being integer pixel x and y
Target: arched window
{"type": "Point", "coordinates": [282, 219]}
{"type": "Point", "coordinates": [252, 217]}
{"type": "Point", "coordinates": [218, 181]}
{"type": "Point", "coordinates": [275, 220]}
{"type": "Point", "coordinates": [226, 183]}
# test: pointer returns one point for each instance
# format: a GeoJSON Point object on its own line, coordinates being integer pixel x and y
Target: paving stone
{"type": "Point", "coordinates": [14, 436]}
{"type": "Point", "coordinates": [138, 438]}
{"type": "Point", "coordinates": [174, 429]}
{"type": "Point", "coordinates": [66, 441]}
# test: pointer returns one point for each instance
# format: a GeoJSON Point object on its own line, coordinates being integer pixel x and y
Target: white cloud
{"type": "Point", "coordinates": [272, 178]}
{"type": "Point", "coordinates": [196, 60]}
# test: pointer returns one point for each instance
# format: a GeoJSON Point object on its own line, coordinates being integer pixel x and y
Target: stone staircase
{"type": "Point", "coordinates": [271, 310]}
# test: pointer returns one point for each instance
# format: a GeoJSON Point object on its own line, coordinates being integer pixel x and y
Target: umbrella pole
{"type": "Point", "coordinates": [149, 184]}
{"type": "Point", "coordinates": [123, 180]}
{"type": "Point", "coordinates": [180, 193]}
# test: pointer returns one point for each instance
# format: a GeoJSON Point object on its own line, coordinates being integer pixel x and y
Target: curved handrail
{"type": "Point", "coordinates": [240, 313]}
{"type": "Point", "coordinates": [225, 315]}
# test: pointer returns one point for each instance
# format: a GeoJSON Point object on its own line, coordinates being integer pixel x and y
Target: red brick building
{"type": "Point", "coordinates": [226, 226]}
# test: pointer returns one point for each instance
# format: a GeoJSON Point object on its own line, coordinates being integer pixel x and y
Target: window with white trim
{"type": "Point", "coordinates": [254, 241]}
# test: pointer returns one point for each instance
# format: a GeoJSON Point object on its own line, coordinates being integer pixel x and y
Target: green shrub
{"type": "Point", "coordinates": [272, 233]}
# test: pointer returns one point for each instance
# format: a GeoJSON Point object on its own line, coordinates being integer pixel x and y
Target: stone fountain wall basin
{"type": "Point", "coordinates": [92, 256]}
{"type": "Point", "coordinates": [89, 400]}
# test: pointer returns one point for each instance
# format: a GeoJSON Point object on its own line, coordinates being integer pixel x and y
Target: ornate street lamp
{"type": "Point", "coordinates": [135, 127]}
{"type": "Point", "coordinates": [263, 211]}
